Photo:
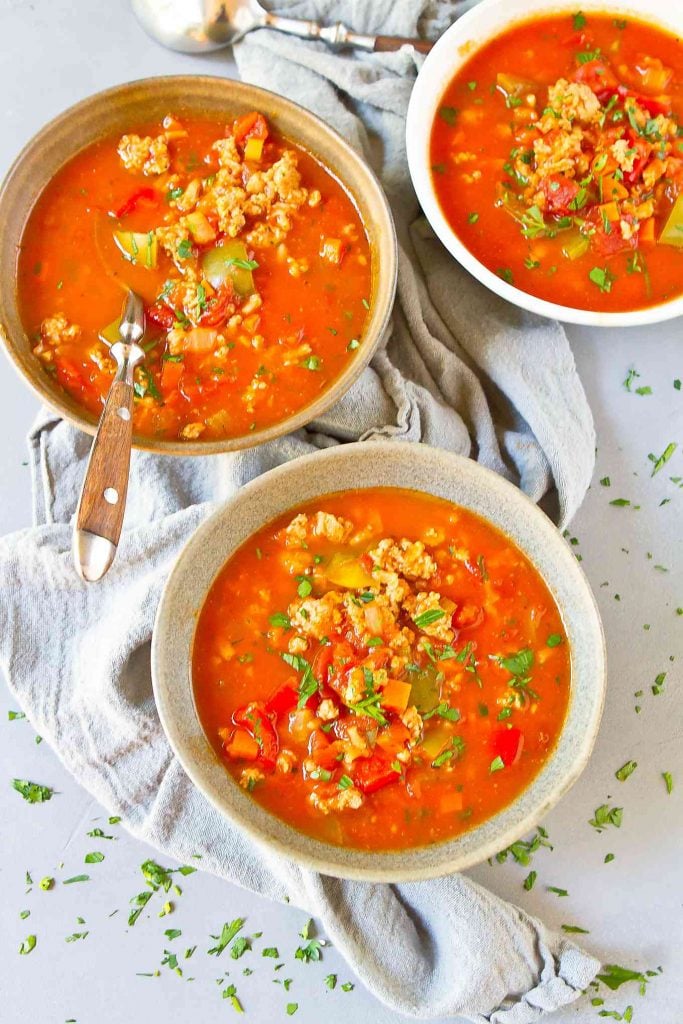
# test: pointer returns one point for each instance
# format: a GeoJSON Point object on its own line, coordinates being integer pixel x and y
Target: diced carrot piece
{"type": "Point", "coordinates": [252, 125]}
{"type": "Point", "coordinates": [171, 372]}
{"type": "Point", "coordinates": [395, 695]}
{"type": "Point", "coordinates": [612, 189]}
{"type": "Point", "coordinates": [451, 802]}
{"type": "Point", "coordinates": [200, 339]}
{"type": "Point", "coordinates": [393, 738]}
{"type": "Point", "coordinates": [647, 230]}
{"type": "Point", "coordinates": [601, 167]}
{"type": "Point", "coordinates": [242, 746]}
{"type": "Point", "coordinates": [610, 211]}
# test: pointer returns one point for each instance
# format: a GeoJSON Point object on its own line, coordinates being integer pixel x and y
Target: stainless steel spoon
{"type": "Point", "coordinates": [196, 26]}
{"type": "Point", "coordinates": [99, 516]}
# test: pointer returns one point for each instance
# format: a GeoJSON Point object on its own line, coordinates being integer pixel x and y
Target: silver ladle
{"type": "Point", "coordinates": [198, 26]}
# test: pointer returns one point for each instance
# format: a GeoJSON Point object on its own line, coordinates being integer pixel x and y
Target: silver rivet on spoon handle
{"type": "Point", "coordinates": [197, 26]}
{"type": "Point", "coordinates": [102, 504]}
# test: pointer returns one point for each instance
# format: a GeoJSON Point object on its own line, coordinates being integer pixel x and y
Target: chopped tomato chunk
{"type": "Point", "coordinates": [373, 773]}
{"type": "Point", "coordinates": [507, 744]}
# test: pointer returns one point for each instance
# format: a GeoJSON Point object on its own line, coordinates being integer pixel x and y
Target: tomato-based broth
{"type": "Point", "coordinates": [381, 669]}
{"type": "Point", "coordinates": [557, 158]}
{"type": "Point", "coordinates": [251, 259]}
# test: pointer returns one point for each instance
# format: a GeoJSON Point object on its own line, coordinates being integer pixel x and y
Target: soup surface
{"type": "Point", "coordinates": [381, 669]}
{"type": "Point", "coordinates": [557, 158]}
{"type": "Point", "coordinates": [251, 258]}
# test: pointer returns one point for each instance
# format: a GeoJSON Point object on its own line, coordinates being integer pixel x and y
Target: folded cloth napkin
{"type": "Point", "coordinates": [462, 370]}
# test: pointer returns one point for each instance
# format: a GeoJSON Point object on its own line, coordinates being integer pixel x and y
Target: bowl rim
{"type": "Point", "coordinates": [172, 679]}
{"type": "Point", "coordinates": [425, 98]}
{"type": "Point", "coordinates": [384, 278]}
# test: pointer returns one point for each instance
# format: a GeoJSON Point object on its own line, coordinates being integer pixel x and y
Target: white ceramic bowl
{"type": "Point", "coordinates": [359, 466]}
{"type": "Point", "coordinates": [474, 29]}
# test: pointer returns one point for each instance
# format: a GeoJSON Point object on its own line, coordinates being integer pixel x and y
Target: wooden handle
{"type": "Point", "coordinates": [384, 44]}
{"type": "Point", "coordinates": [103, 499]}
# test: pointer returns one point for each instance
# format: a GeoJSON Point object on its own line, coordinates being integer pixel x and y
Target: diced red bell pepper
{"type": "Point", "coordinates": [373, 773]}
{"type": "Point", "coordinates": [507, 744]}
{"type": "Point", "coordinates": [283, 700]}
{"type": "Point", "coordinates": [642, 155]}
{"type": "Point", "coordinates": [219, 308]}
{"type": "Point", "coordinates": [145, 194]}
{"type": "Point", "coordinates": [598, 76]}
{"type": "Point", "coordinates": [607, 243]}
{"type": "Point", "coordinates": [559, 192]}
{"type": "Point", "coordinates": [160, 314]}
{"type": "Point", "coordinates": [254, 718]}
{"type": "Point", "coordinates": [250, 126]}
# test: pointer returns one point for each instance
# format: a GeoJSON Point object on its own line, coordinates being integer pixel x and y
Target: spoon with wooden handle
{"type": "Point", "coordinates": [102, 504]}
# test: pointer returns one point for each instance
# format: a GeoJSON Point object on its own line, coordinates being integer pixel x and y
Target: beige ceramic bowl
{"type": "Point", "coordinates": [353, 466]}
{"type": "Point", "coordinates": [115, 111]}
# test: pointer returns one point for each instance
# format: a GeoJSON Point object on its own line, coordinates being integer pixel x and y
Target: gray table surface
{"type": "Point", "coordinates": [55, 53]}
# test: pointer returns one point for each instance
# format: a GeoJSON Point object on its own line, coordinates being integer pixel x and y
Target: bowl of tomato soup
{"type": "Point", "coordinates": [383, 662]}
{"type": "Point", "coordinates": [261, 243]}
{"type": "Point", "coordinates": [545, 142]}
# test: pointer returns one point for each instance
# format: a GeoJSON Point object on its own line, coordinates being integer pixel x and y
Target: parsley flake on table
{"type": "Point", "coordinates": [523, 850]}
{"type": "Point", "coordinates": [228, 933]}
{"type": "Point", "coordinates": [659, 461]}
{"type": "Point", "coordinates": [626, 769]}
{"type": "Point", "coordinates": [331, 981]}
{"type": "Point", "coordinates": [239, 947]}
{"type": "Point", "coordinates": [558, 892]}
{"type": "Point", "coordinates": [28, 945]}
{"type": "Point", "coordinates": [614, 976]}
{"type": "Point", "coordinates": [94, 858]}
{"type": "Point", "coordinates": [529, 881]}
{"type": "Point", "coordinates": [15, 716]}
{"type": "Point", "coordinates": [32, 792]}
{"type": "Point", "coordinates": [606, 815]}
{"type": "Point", "coordinates": [231, 993]}
{"type": "Point", "coordinates": [292, 1008]}
{"type": "Point", "coordinates": [271, 951]}
{"type": "Point", "coordinates": [573, 929]}
{"type": "Point", "coordinates": [668, 782]}
{"type": "Point", "coordinates": [76, 878]}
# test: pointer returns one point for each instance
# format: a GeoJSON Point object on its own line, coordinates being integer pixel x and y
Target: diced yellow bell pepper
{"type": "Point", "coordinates": [672, 232]}
{"type": "Point", "coordinates": [139, 247]}
{"type": "Point", "coordinates": [346, 571]}
{"type": "Point", "coordinates": [253, 151]}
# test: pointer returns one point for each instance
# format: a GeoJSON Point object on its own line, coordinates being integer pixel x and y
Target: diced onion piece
{"type": "Point", "coordinates": [200, 228]}
{"type": "Point", "coordinates": [229, 262]}
{"type": "Point", "coordinates": [254, 149]}
{"type": "Point", "coordinates": [333, 250]}
{"type": "Point", "coordinates": [672, 232]}
{"type": "Point", "coordinates": [139, 247]}
{"type": "Point", "coordinates": [200, 339]}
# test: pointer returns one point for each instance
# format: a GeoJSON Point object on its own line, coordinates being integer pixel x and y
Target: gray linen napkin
{"type": "Point", "coordinates": [462, 370]}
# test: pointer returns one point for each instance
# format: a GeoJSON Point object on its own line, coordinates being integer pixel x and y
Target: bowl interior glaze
{"type": "Point", "coordinates": [353, 466]}
{"type": "Point", "coordinates": [114, 111]}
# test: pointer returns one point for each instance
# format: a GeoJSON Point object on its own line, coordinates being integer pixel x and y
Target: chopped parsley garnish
{"type": "Point", "coordinates": [578, 21]}
{"type": "Point", "coordinates": [626, 769]}
{"type": "Point", "coordinates": [444, 710]}
{"type": "Point", "coordinates": [614, 976]}
{"type": "Point", "coordinates": [554, 640]}
{"type": "Point", "coordinates": [32, 792]}
{"type": "Point", "coordinates": [659, 461]}
{"type": "Point", "coordinates": [237, 261]}
{"type": "Point", "coordinates": [345, 782]}
{"type": "Point", "coordinates": [518, 664]}
{"type": "Point", "coordinates": [308, 684]}
{"type": "Point", "coordinates": [428, 617]}
{"type": "Point", "coordinates": [496, 765]}
{"type": "Point", "coordinates": [558, 892]}
{"type": "Point", "coordinates": [280, 619]}
{"type": "Point", "coordinates": [353, 345]}
{"type": "Point", "coordinates": [448, 114]}
{"type": "Point", "coordinates": [311, 363]}
{"type": "Point", "coordinates": [573, 929]}
{"type": "Point", "coordinates": [228, 933]}
{"type": "Point", "coordinates": [28, 945]}
{"type": "Point", "coordinates": [529, 881]}
{"type": "Point", "coordinates": [602, 277]}
{"type": "Point", "coordinates": [305, 586]}
{"type": "Point", "coordinates": [523, 850]}
{"type": "Point", "coordinates": [472, 218]}
{"type": "Point", "coordinates": [94, 858]}
{"type": "Point", "coordinates": [506, 274]}
{"type": "Point", "coordinates": [606, 815]}
{"type": "Point", "coordinates": [184, 249]}
{"type": "Point", "coordinates": [455, 749]}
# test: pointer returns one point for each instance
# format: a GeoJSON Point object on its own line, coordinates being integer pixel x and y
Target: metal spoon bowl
{"type": "Point", "coordinates": [199, 26]}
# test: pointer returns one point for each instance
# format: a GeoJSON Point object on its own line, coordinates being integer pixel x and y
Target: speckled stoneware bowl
{"type": "Point", "coordinates": [115, 111]}
{"type": "Point", "coordinates": [353, 466]}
